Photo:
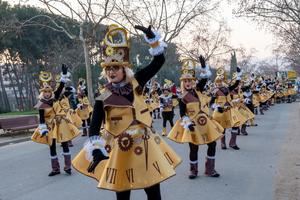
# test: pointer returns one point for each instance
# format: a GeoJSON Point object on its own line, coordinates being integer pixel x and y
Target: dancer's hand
{"type": "Point", "coordinates": [147, 31]}
{"type": "Point", "coordinates": [202, 61]}
{"type": "Point", "coordinates": [64, 69]}
{"type": "Point", "coordinates": [98, 156]}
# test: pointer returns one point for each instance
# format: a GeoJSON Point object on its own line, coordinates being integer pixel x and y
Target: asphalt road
{"type": "Point", "coordinates": [247, 174]}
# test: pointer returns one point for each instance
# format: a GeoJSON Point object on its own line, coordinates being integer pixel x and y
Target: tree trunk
{"type": "Point", "coordinates": [12, 85]}
{"type": "Point", "coordinates": [4, 94]}
{"type": "Point", "coordinates": [87, 67]}
{"type": "Point", "coordinates": [19, 86]}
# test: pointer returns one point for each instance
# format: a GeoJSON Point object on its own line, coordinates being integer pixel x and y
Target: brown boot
{"type": "Point", "coordinates": [193, 170]}
{"type": "Point", "coordinates": [223, 142]}
{"type": "Point", "coordinates": [210, 167]}
{"type": "Point", "coordinates": [55, 166]}
{"type": "Point", "coordinates": [243, 130]}
{"type": "Point", "coordinates": [67, 167]}
{"type": "Point", "coordinates": [232, 142]}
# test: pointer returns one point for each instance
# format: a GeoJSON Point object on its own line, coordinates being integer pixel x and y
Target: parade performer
{"type": "Point", "coordinates": [248, 99]}
{"type": "Point", "coordinates": [223, 110]}
{"type": "Point", "coordinates": [55, 126]}
{"type": "Point", "coordinates": [195, 127]}
{"type": "Point", "coordinates": [128, 155]}
{"type": "Point", "coordinates": [244, 114]}
{"type": "Point", "coordinates": [84, 109]}
{"type": "Point", "coordinates": [155, 92]}
{"type": "Point", "coordinates": [167, 106]}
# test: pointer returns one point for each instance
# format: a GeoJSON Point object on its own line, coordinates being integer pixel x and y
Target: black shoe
{"type": "Point", "coordinates": [68, 171]}
{"type": "Point", "coordinates": [53, 173]}
{"type": "Point", "coordinates": [192, 176]}
{"type": "Point", "coordinates": [235, 147]}
{"type": "Point", "coordinates": [224, 147]}
{"type": "Point", "coordinates": [215, 174]}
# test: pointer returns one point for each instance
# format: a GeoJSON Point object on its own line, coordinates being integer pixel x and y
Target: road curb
{"type": "Point", "coordinates": [14, 141]}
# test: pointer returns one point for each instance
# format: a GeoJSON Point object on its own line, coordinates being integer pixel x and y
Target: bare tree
{"type": "Point", "coordinates": [282, 17]}
{"type": "Point", "coordinates": [168, 16]}
{"type": "Point", "coordinates": [87, 16]}
{"type": "Point", "coordinates": [210, 43]}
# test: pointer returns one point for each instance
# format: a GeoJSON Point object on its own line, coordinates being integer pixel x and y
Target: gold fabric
{"type": "Point", "coordinates": [119, 118]}
{"type": "Point", "coordinates": [59, 125]}
{"type": "Point", "coordinates": [138, 159]}
{"type": "Point", "coordinates": [230, 117]}
{"type": "Point", "coordinates": [206, 131]}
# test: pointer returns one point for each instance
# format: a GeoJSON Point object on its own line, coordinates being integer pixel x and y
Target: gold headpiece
{"type": "Point", "coordinates": [116, 47]}
{"type": "Point", "coordinates": [168, 84]}
{"type": "Point", "coordinates": [45, 79]}
{"type": "Point", "coordinates": [188, 69]}
{"type": "Point", "coordinates": [221, 75]}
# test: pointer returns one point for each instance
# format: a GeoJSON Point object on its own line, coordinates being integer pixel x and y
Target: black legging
{"type": "Point", "coordinates": [153, 193]}
{"type": "Point", "coordinates": [211, 150]}
{"type": "Point", "coordinates": [167, 116]}
{"type": "Point", "coordinates": [88, 122]}
{"type": "Point", "coordinates": [64, 145]}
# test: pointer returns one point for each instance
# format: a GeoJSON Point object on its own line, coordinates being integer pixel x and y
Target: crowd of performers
{"type": "Point", "coordinates": [123, 151]}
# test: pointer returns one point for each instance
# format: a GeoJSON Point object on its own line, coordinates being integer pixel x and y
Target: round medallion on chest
{"type": "Point", "coordinates": [125, 141]}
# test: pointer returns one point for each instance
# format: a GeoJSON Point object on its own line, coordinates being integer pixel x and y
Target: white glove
{"type": "Point", "coordinates": [79, 106]}
{"type": "Point", "coordinates": [158, 49]}
{"type": "Point", "coordinates": [186, 122]}
{"type": "Point", "coordinates": [94, 142]}
{"type": "Point", "coordinates": [43, 130]}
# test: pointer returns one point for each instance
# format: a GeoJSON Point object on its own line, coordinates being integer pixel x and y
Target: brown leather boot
{"type": "Point", "coordinates": [223, 142]}
{"type": "Point", "coordinates": [210, 167]}
{"type": "Point", "coordinates": [232, 142]}
{"type": "Point", "coordinates": [193, 170]}
{"type": "Point", "coordinates": [67, 167]}
{"type": "Point", "coordinates": [55, 166]}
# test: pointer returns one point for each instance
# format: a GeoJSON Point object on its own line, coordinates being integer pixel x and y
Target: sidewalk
{"type": "Point", "coordinates": [287, 186]}
{"type": "Point", "coordinates": [13, 138]}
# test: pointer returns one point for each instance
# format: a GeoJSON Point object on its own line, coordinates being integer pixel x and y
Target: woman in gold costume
{"type": "Point", "coordinates": [55, 126]}
{"type": "Point", "coordinates": [128, 155]}
{"type": "Point", "coordinates": [195, 127]}
{"type": "Point", "coordinates": [224, 111]}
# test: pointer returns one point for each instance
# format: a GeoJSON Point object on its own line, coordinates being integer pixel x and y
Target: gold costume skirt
{"type": "Point", "coordinates": [228, 119]}
{"type": "Point", "coordinates": [74, 118]}
{"type": "Point", "coordinates": [256, 100]}
{"type": "Point", "coordinates": [206, 131]}
{"type": "Point", "coordinates": [246, 112]}
{"type": "Point", "coordinates": [138, 158]}
{"type": "Point", "coordinates": [60, 129]}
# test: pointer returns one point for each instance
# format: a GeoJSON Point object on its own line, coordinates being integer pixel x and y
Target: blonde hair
{"type": "Point", "coordinates": [182, 85]}
{"type": "Point", "coordinates": [128, 74]}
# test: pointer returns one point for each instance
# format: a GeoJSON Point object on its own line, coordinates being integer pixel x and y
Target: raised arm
{"type": "Point", "coordinates": [63, 80]}
{"type": "Point", "coordinates": [238, 80]}
{"type": "Point", "coordinates": [204, 74]}
{"type": "Point", "coordinates": [145, 74]}
{"type": "Point", "coordinates": [156, 50]}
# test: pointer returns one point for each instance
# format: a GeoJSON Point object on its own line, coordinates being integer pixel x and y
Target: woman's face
{"type": "Point", "coordinates": [219, 83]}
{"type": "Point", "coordinates": [115, 74]}
{"type": "Point", "coordinates": [187, 84]}
{"type": "Point", "coordinates": [47, 94]}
